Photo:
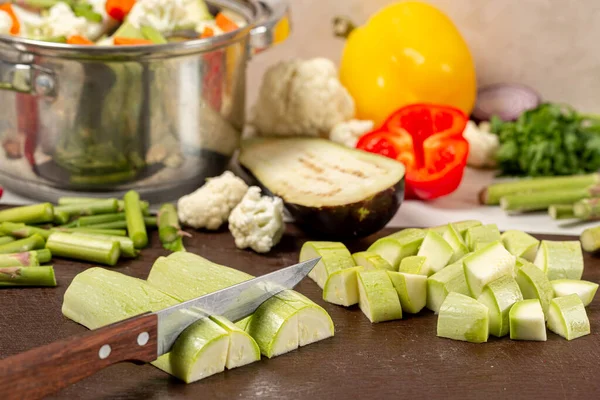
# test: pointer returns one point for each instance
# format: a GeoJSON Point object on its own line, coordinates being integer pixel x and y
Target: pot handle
{"type": "Point", "coordinates": [27, 78]}
{"type": "Point", "coordinates": [273, 25]}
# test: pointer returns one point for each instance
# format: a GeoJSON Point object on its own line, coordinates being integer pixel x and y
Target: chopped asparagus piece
{"type": "Point", "coordinates": [6, 239]}
{"type": "Point", "coordinates": [561, 211]}
{"type": "Point", "coordinates": [520, 244]}
{"type": "Point", "coordinates": [34, 214]}
{"type": "Point", "coordinates": [587, 209]}
{"type": "Point", "coordinates": [25, 259]}
{"type": "Point", "coordinates": [567, 317]}
{"type": "Point", "coordinates": [372, 261]}
{"type": "Point", "coordinates": [411, 289]}
{"type": "Point", "coordinates": [415, 265]}
{"type": "Point", "coordinates": [538, 201]}
{"type": "Point", "coordinates": [20, 230]}
{"type": "Point", "coordinates": [437, 251]}
{"type": "Point", "coordinates": [106, 232]}
{"type": "Point", "coordinates": [484, 234]}
{"type": "Point", "coordinates": [535, 285]}
{"type": "Point", "coordinates": [527, 321]}
{"type": "Point", "coordinates": [590, 239]}
{"type": "Point", "coordinates": [378, 298]}
{"type": "Point", "coordinates": [395, 247]}
{"type": "Point", "coordinates": [334, 256]}
{"type": "Point", "coordinates": [439, 285]}
{"type": "Point", "coordinates": [169, 230]}
{"type": "Point", "coordinates": [100, 219]}
{"type": "Point", "coordinates": [342, 287]}
{"type": "Point", "coordinates": [105, 206]}
{"type": "Point", "coordinates": [487, 265]}
{"type": "Point", "coordinates": [27, 276]}
{"type": "Point", "coordinates": [125, 244]}
{"type": "Point", "coordinates": [499, 296]}
{"type": "Point", "coordinates": [463, 318]}
{"type": "Point", "coordinates": [83, 248]}
{"type": "Point", "coordinates": [43, 255]}
{"type": "Point", "coordinates": [456, 241]}
{"type": "Point", "coordinates": [584, 289]}
{"type": "Point", "coordinates": [19, 246]}
{"type": "Point", "coordinates": [560, 260]}
{"type": "Point", "coordinates": [136, 227]}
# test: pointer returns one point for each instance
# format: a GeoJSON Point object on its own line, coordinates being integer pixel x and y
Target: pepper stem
{"type": "Point", "coordinates": [342, 27]}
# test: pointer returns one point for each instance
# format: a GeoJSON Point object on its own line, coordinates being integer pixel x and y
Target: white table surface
{"type": "Point", "coordinates": [460, 205]}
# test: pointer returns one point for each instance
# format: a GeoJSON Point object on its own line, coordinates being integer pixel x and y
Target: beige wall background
{"type": "Point", "coordinates": [551, 45]}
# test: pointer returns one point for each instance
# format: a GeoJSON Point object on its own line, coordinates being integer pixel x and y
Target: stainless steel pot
{"type": "Point", "coordinates": [102, 120]}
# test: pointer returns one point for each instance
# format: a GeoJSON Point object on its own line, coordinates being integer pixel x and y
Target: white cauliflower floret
{"type": "Point", "coordinates": [483, 145]}
{"type": "Point", "coordinates": [60, 21]}
{"type": "Point", "coordinates": [5, 23]}
{"type": "Point", "coordinates": [301, 98]}
{"type": "Point", "coordinates": [257, 222]}
{"type": "Point", "coordinates": [348, 133]}
{"type": "Point", "coordinates": [210, 206]}
{"type": "Point", "coordinates": [165, 16]}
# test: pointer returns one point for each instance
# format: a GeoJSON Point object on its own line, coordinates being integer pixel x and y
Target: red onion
{"type": "Point", "coordinates": [505, 100]}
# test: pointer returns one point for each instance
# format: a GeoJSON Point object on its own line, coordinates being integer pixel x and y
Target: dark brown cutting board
{"type": "Point", "coordinates": [399, 359]}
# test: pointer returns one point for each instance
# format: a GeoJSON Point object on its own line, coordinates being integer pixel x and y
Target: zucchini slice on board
{"type": "Point", "coordinates": [330, 190]}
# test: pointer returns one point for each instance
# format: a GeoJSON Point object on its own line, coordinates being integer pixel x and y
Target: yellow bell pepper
{"type": "Point", "coordinates": [409, 52]}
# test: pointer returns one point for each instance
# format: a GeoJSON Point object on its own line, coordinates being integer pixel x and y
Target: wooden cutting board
{"type": "Point", "coordinates": [399, 359]}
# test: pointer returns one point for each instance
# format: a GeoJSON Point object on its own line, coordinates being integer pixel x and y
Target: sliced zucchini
{"type": "Point", "coordinates": [460, 226]}
{"type": "Point", "coordinates": [437, 251]}
{"type": "Point", "coordinates": [477, 236]}
{"type": "Point", "coordinates": [439, 285]}
{"type": "Point", "coordinates": [560, 260]}
{"type": "Point", "coordinates": [499, 296]}
{"type": "Point", "coordinates": [397, 246]}
{"type": "Point", "coordinates": [342, 287]}
{"type": "Point", "coordinates": [567, 317]}
{"type": "Point", "coordinates": [456, 241]}
{"type": "Point", "coordinates": [463, 318]}
{"type": "Point", "coordinates": [415, 265]}
{"type": "Point", "coordinates": [535, 285]}
{"type": "Point", "coordinates": [520, 244]}
{"type": "Point", "coordinates": [584, 289]}
{"type": "Point", "coordinates": [334, 257]}
{"type": "Point", "coordinates": [487, 265]}
{"type": "Point", "coordinates": [329, 189]}
{"type": "Point", "coordinates": [378, 298]}
{"type": "Point", "coordinates": [412, 290]}
{"type": "Point", "coordinates": [243, 349]}
{"type": "Point", "coordinates": [527, 321]}
{"type": "Point", "coordinates": [371, 261]}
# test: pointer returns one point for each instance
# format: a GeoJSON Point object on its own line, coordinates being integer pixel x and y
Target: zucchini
{"type": "Point", "coordinates": [487, 265]}
{"type": "Point", "coordinates": [567, 317]}
{"type": "Point", "coordinates": [334, 257]}
{"type": "Point", "coordinates": [437, 251]}
{"type": "Point", "coordinates": [329, 189]}
{"type": "Point", "coordinates": [342, 287]}
{"type": "Point", "coordinates": [372, 261]}
{"type": "Point", "coordinates": [527, 321]}
{"type": "Point", "coordinates": [411, 289]}
{"type": "Point", "coordinates": [279, 325]}
{"type": "Point", "coordinates": [414, 265]}
{"type": "Point", "coordinates": [463, 318]}
{"type": "Point", "coordinates": [535, 285]}
{"type": "Point", "coordinates": [584, 289]}
{"type": "Point", "coordinates": [397, 246]}
{"type": "Point", "coordinates": [448, 280]}
{"type": "Point", "coordinates": [378, 298]}
{"type": "Point", "coordinates": [478, 236]}
{"type": "Point", "coordinates": [520, 244]}
{"type": "Point", "coordinates": [499, 296]}
{"type": "Point", "coordinates": [560, 260]}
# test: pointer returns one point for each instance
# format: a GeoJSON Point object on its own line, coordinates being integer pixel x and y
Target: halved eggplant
{"type": "Point", "coordinates": [329, 189]}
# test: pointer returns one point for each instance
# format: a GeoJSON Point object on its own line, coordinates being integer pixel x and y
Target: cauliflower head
{"type": "Point", "coordinates": [210, 206]}
{"type": "Point", "coordinates": [257, 221]}
{"type": "Point", "coordinates": [348, 132]}
{"type": "Point", "coordinates": [301, 97]}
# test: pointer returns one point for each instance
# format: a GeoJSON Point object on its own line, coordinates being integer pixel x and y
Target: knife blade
{"type": "Point", "coordinates": [234, 303]}
{"type": "Point", "coordinates": [42, 371]}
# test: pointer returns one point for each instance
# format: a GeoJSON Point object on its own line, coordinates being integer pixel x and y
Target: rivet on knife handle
{"type": "Point", "coordinates": [45, 370]}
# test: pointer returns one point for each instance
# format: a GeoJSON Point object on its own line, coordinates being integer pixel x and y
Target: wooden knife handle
{"type": "Point", "coordinates": [47, 369]}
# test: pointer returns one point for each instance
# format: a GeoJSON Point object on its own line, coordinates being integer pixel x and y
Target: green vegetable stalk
{"type": "Point", "coordinates": [20, 230]}
{"type": "Point", "coordinates": [561, 211]}
{"type": "Point", "coordinates": [100, 219]}
{"type": "Point", "coordinates": [169, 230]}
{"type": "Point", "coordinates": [26, 276]}
{"type": "Point", "coordinates": [43, 255]}
{"type": "Point", "coordinates": [550, 140]}
{"type": "Point", "coordinates": [106, 206]}
{"type": "Point", "coordinates": [33, 242]}
{"type": "Point", "coordinates": [83, 248]}
{"type": "Point", "coordinates": [34, 214]}
{"type": "Point", "coordinates": [64, 201]}
{"type": "Point", "coordinates": [587, 209]}
{"type": "Point", "coordinates": [135, 219]}
{"type": "Point", "coordinates": [537, 201]}
{"type": "Point", "coordinates": [590, 239]}
{"type": "Point", "coordinates": [6, 239]}
{"type": "Point", "coordinates": [91, 229]}
{"type": "Point", "coordinates": [493, 193]}
{"type": "Point", "coordinates": [26, 259]}
{"type": "Point", "coordinates": [127, 248]}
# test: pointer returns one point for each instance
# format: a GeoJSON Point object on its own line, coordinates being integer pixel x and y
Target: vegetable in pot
{"type": "Point", "coordinates": [329, 189]}
{"type": "Point", "coordinates": [429, 140]}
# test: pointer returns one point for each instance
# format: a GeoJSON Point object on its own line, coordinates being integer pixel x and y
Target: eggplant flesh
{"type": "Point", "coordinates": [331, 191]}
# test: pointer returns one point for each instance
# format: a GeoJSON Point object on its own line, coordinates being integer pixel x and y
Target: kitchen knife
{"type": "Point", "coordinates": [45, 370]}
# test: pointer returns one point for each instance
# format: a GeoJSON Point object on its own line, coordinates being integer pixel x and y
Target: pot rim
{"type": "Point", "coordinates": [251, 10]}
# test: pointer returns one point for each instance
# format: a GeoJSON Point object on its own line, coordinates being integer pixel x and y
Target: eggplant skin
{"type": "Point", "coordinates": [348, 221]}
